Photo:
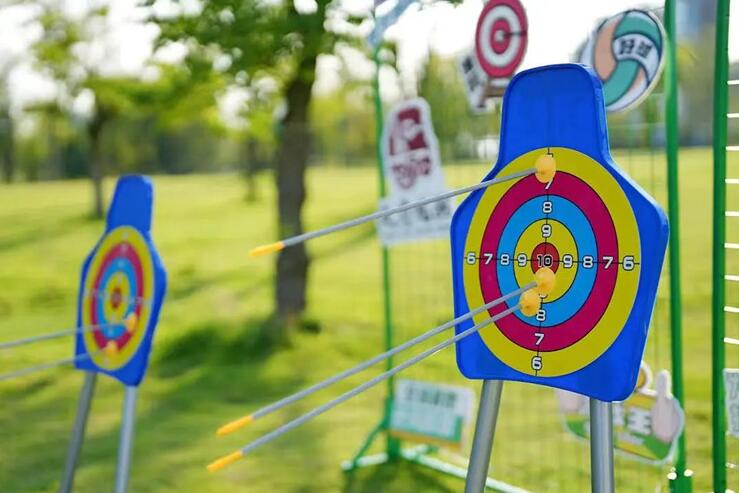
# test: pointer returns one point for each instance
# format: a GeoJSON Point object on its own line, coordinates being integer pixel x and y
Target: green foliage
{"type": "Point", "coordinates": [343, 125]}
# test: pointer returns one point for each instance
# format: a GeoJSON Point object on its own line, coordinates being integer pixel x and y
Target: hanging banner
{"type": "Point", "coordinates": [431, 413]}
{"type": "Point", "coordinates": [646, 426]}
{"type": "Point", "coordinates": [500, 45]}
{"type": "Point", "coordinates": [731, 392]}
{"type": "Point", "coordinates": [412, 164]}
{"type": "Point", "coordinates": [627, 53]}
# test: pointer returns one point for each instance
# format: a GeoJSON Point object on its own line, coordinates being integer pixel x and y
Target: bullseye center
{"type": "Point", "coordinates": [116, 297]}
{"type": "Point", "coordinates": [500, 36]}
{"type": "Point", "coordinates": [544, 255]}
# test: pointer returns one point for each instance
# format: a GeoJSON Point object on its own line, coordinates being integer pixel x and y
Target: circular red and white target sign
{"type": "Point", "coordinates": [500, 40]}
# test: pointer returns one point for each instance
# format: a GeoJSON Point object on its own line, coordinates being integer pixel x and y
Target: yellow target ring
{"type": "Point", "coordinates": [130, 244]}
{"type": "Point", "coordinates": [562, 238]}
{"type": "Point", "coordinates": [602, 335]}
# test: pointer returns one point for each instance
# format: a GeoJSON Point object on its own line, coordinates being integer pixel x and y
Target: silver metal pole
{"type": "Point", "coordinates": [601, 446]}
{"type": "Point", "coordinates": [78, 432]}
{"type": "Point", "coordinates": [482, 444]}
{"type": "Point", "coordinates": [125, 447]}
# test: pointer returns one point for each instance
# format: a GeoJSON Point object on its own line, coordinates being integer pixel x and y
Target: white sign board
{"type": "Point", "coordinates": [431, 413]}
{"type": "Point", "coordinates": [412, 164]}
{"type": "Point", "coordinates": [731, 391]}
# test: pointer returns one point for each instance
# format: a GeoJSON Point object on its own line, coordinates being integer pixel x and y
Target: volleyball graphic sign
{"type": "Point", "coordinates": [601, 235]}
{"type": "Point", "coordinates": [500, 38]}
{"type": "Point", "coordinates": [627, 53]}
{"type": "Point", "coordinates": [122, 288]}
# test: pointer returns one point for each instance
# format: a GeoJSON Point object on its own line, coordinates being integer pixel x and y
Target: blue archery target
{"type": "Point", "coordinates": [602, 235]}
{"type": "Point", "coordinates": [122, 287]}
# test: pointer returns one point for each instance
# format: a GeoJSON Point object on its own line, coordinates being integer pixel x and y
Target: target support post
{"type": "Point", "coordinates": [78, 432]}
{"type": "Point", "coordinates": [482, 444]}
{"type": "Point", "coordinates": [601, 447]}
{"type": "Point", "coordinates": [125, 446]}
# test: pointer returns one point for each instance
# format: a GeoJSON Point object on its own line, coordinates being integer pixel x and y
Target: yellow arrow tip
{"type": "Point", "coordinates": [530, 302]}
{"type": "Point", "coordinates": [130, 322]}
{"type": "Point", "coordinates": [234, 425]}
{"type": "Point", "coordinates": [545, 280]}
{"type": "Point", "coordinates": [224, 461]}
{"type": "Point", "coordinates": [265, 249]}
{"type": "Point", "coordinates": [111, 349]}
{"type": "Point", "coordinates": [546, 167]}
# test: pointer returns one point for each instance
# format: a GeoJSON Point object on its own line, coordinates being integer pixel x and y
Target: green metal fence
{"type": "Point", "coordinates": [725, 449]}
{"type": "Point", "coordinates": [532, 450]}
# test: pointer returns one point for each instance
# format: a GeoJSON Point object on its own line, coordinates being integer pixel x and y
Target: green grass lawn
{"type": "Point", "coordinates": [207, 367]}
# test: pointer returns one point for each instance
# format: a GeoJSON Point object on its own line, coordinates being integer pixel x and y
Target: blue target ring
{"type": "Point", "coordinates": [124, 266]}
{"type": "Point", "coordinates": [569, 215]}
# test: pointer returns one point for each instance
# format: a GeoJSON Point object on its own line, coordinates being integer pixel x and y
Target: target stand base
{"type": "Point", "coordinates": [680, 481]}
{"type": "Point", "coordinates": [420, 454]}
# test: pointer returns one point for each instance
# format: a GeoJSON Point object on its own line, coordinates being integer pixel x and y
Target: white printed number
{"type": "Point", "coordinates": [536, 364]}
{"type": "Point", "coordinates": [567, 261]}
{"type": "Point", "coordinates": [471, 258]}
{"type": "Point", "coordinates": [628, 263]}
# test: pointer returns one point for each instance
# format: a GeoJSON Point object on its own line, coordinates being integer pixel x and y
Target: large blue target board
{"type": "Point", "coordinates": [122, 287]}
{"type": "Point", "coordinates": [598, 231]}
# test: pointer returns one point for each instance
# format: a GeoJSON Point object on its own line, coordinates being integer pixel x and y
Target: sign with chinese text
{"type": "Point", "coordinates": [646, 426]}
{"type": "Point", "coordinates": [431, 413]}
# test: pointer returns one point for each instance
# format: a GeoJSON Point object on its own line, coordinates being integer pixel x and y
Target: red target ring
{"type": "Point", "coordinates": [501, 37]}
{"type": "Point", "coordinates": [580, 195]}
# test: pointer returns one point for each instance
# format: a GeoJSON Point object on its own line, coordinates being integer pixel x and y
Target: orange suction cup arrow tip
{"type": "Point", "coordinates": [530, 303]}
{"type": "Point", "coordinates": [130, 322]}
{"type": "Point", "coordinates": [546, 167]}
{"type": "Point", "coordinates": [265, 249]}
{"type": "Point", "coordinates": [234, 425]}
{"type": "Point", "coordinates": [224, 461]}
{"type": "Point", "coordinates": [110, 349]}
{"type": "Point", "coordinates": [545, 280]}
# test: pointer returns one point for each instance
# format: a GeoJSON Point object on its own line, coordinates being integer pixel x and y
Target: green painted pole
{"type": "Point", "coordinates": [680, 479]}
{"type": "Point", "coordinates": [719, 236]}
{"type": "Point", "coordinates": [393, 445]}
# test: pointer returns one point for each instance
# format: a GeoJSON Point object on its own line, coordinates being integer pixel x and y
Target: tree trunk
{"type": "Point", "coordinates": [250, 169]}
{"type": "Point", "coordinates": [95, 162]}
{"type": "Point", "coordinates": [291, 161]}
{"type": "Point", "coordinates": [8, 144]}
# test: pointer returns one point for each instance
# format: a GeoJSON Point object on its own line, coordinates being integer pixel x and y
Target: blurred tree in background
{"type": "Point", "coordinates": [65, 54]}
{"type": "Point", "coordinates": [273, 43]}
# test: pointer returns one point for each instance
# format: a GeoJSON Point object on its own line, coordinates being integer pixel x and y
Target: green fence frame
{"type": "Point", "coordinates": [680, 477]}
{"type": "Point", "coordinates": [720, 106]}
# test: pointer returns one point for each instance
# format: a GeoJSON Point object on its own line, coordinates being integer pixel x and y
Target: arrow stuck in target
{"type": "Point", "coordinates": [544, 169]}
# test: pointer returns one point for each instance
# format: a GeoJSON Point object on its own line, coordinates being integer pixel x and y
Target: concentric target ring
{"type": "Point", "coordinates": [118, 283]}
{"type": "Point", "coordinates": [589, 221]}
{"type": "Point", "coordinates": [500, 39]}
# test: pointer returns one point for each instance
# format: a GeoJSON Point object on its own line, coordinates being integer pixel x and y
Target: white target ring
{"type": "Point", "coordinates": [500, 40]}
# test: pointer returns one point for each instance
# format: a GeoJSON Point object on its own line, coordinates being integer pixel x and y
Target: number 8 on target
{"type": "Point", "coordinates": [602, 236]}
